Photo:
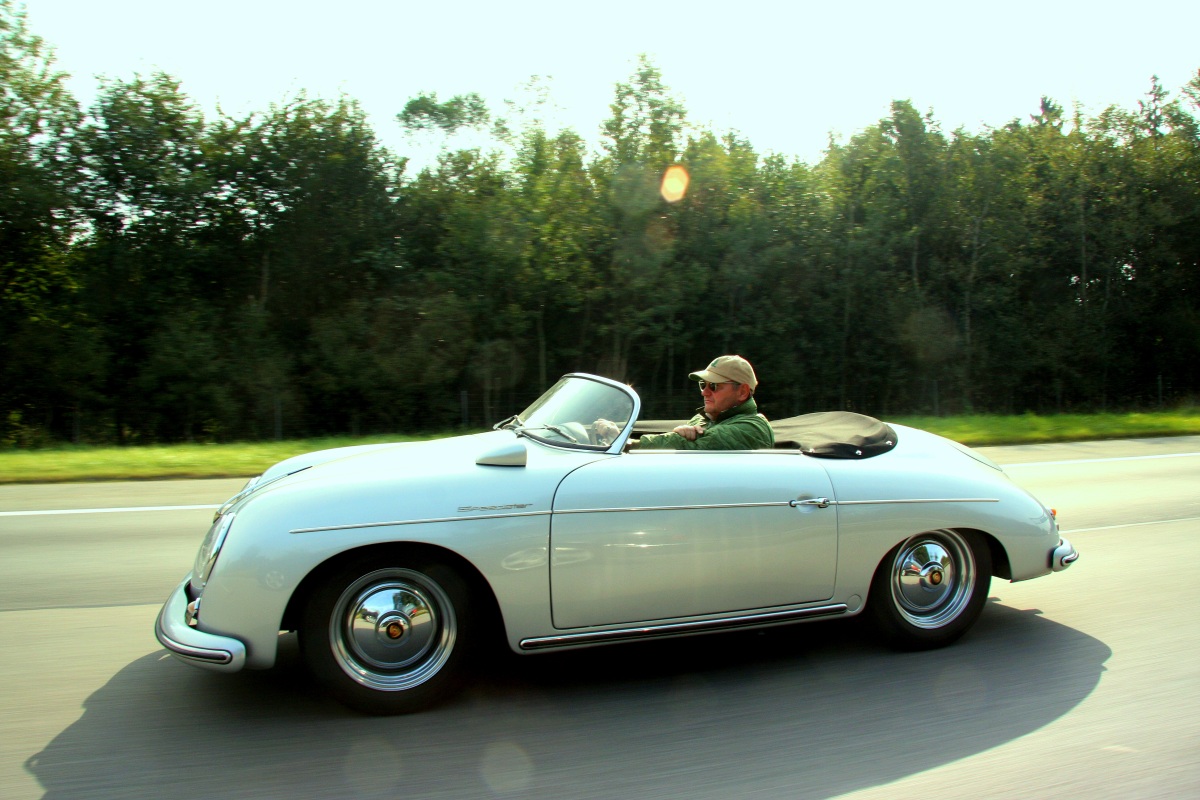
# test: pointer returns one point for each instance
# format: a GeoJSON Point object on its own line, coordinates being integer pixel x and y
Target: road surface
{"type": "Point", "coordinates": [1084, 683]}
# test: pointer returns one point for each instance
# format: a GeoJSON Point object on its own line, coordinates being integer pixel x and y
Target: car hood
{"type": "Point", "coordinates": [440, 479]}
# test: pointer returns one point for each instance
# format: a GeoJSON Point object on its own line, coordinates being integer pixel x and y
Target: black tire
{"type": "Point", "coordinates": [929, 589]}
{"type": "Point", "coordinates": [389, 639]}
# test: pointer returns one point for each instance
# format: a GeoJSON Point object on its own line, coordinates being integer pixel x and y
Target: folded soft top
{"type": "Point", "coordinates": [835, 434]}
{"type": "Point", "coordinates": [823, 434]}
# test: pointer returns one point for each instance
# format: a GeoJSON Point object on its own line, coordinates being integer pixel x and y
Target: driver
{"type": "Point", "coordinates": [729, 419]}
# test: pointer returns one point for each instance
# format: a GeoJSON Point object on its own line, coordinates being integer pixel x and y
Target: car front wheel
{"type": "Point", "coordinates": [388, 639]}
{"type": "Point", "coordinates": [930, 589]}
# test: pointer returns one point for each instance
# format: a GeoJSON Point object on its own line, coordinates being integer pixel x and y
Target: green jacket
{"type": "Point", "coordinates": [739, 428]}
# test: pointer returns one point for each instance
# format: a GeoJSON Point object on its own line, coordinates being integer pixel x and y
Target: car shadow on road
{"type": "Point", "coordinates": [803, 711]}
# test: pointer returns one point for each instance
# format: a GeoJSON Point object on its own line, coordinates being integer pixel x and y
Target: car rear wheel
{"type": "Point", "coordinates": [388, 640]}
{"type": "Point", "coordinates": [930, 589]}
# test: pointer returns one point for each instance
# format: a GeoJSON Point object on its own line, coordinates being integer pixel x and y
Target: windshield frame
{"type": "Point", "coordinates": [528, 425]}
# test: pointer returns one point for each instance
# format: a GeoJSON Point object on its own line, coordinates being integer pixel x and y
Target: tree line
{"type": "Point", "coordinates": [167, 277]}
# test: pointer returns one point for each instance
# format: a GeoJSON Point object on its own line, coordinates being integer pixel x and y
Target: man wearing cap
{"type": "Point", "coordinates": [729, 419]}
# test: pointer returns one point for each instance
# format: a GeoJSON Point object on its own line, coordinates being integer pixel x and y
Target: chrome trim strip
{"type": "Point", "coordinates": [773, 504]}
{"type": "Point", "coordinates": [679, 628]}
{"type": "Point", "coordinates": [194, 653]}
{"type": "Point", "coordinates": [911, 502]}
{"type": "Point", "coordinates": [359, 525]}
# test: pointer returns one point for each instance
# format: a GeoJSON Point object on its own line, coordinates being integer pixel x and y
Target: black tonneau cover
{"type": "Point", "coordinates": [823, 434]}
{"type": "Point", "coordinates": [834, 434]}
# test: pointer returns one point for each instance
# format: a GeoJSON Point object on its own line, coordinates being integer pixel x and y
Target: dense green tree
{"type": "Point", "coordinates": [1151, 162]}
{"type": "Point", "coordinates": [641, 139]}
{"type": "Point", "coordinates": [53, 375]}
{"type": "Point", "coordinates": [796, 307]}
{"type": "Point", "coordinates": [45, 354]}
{"type": "Point", "coordinates": [171, 278]}
{"type": "Point", "coordinates": [183, 373]}
{"type": "Point", "coordinates": [558, 222]}
{"type": "Point", "coordinates": [37, 119]}
{"type": "Point", "coordinates": [860, 347]}
{"type": "Point", "coordinates": [259, 374]}
{"type": "Point", "coordinates": [386, 363]}
{"type": "Point", "coordinates": [982, 269]}
{"type": "Point", "coordinates": [141, 157]}
{"type": "Point", "coordinates": [318, 193]}
{"type": "Point", "coordinates": [424, 112]}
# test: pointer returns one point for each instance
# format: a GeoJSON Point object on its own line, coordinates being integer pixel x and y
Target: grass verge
{"type": "Point", "coordinates": [60, 465]}
{"type": "Point", "coordinates": [243, 460]}
{"type": "Point", "coordinates": [984, 430]}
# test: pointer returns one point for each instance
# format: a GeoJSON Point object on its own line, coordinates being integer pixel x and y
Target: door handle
{"type": "Point", "coordinates": [819, 502]}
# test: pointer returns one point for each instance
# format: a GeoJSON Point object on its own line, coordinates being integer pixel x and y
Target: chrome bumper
{"type": "Point", "coordinates": [194, 646]}
{"type": "Point", "coordinates": [1063, 556]}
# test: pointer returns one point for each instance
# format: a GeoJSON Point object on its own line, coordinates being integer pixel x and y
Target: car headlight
{"type": "Point", "coordinates": [209, 550]}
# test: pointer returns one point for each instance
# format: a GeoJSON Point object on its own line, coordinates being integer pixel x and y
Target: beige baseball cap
{"type": "Point", "coordinates": [727, 368]}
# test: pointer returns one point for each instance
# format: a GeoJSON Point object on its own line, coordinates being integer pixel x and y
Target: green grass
{"type": "Point", "coordinates": [982, 430]}
{"type": "Point", "coordinates": [243, 460]}
{"type": "Point", "coordinates": [56, 465]}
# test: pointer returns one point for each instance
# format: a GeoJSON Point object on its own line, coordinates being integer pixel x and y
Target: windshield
{"type": "Point", "coordinates": [579, 411]}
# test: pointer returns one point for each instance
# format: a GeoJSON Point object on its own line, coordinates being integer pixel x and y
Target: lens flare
{"type": "Point", "coordinates": [674, 183]}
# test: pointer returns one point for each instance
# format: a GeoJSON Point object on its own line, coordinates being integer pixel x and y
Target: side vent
{"type": "Point", "coordinates": [511, 455]}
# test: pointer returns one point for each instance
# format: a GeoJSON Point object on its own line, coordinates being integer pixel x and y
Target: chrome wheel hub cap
{"type": "Point", "coordinates": [932, 578]}
{"type": "Point", "coordinates": [393, 629]}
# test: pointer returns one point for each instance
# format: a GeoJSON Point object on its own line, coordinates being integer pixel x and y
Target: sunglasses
{"type": "Point", "coordinates": [713, 387]}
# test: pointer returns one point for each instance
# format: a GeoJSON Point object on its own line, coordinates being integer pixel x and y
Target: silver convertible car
{"type": "Point", "coordinates": [397, 563]}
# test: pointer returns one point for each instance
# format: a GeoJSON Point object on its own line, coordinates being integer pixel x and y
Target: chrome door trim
{"type": "Point", "coordinates": [425, 521]}
{"type": "Point", "coordinates": [913, 501]}
{"type": "Point", "coordinates": [696, 507]}
{"type": "Point", "coordinates": [819, 502]}
{"type": "Point", "coordinates": [627, 509]}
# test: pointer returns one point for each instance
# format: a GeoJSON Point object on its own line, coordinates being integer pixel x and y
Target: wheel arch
{"type": "Point", "coordinates": [395, 554]}
{"type": "Point", "coordinates": [999, 556]}
{"type": "Point", "coordinates": [1000, 565]}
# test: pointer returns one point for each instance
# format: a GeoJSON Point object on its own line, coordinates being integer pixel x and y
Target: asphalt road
{"type": "Point", "coordinates": [1084, 683]}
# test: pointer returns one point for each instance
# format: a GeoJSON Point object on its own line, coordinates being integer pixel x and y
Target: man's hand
{"type": "Point", "coordinates": [690, 432]}
{"type": "Point", "coordinates": [605, 430]}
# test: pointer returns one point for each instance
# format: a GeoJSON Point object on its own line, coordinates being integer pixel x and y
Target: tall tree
{"type": "Point", "coordinates": [37, 214]}
{"type": "Point", "coordinates": [915, 181]}
{"type": "Point", "coordinates": [40, 329]}
{"type": "Point", "coordinates": [318, 191]}
{"type": "Point", "coordinates": [37, 116]}
{"type": "Point", "coordinates": [142, 162]}
{"type": "Point", "coordinates": [559, 228]}
{"type": "Point", "coordinates": [641, 139]}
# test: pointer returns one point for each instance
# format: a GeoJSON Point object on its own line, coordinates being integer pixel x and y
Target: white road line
{"type": "Point", "coordinates": [102, 510]}
{"type": "Point", "coordinates": [1074, 531]}
{"type": "Point", "coordinates": [1099, 460]}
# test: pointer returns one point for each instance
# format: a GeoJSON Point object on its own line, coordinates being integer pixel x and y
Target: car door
{"type": "Point", "coordinates": [665, 535]}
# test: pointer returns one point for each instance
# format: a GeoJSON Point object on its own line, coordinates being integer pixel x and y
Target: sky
{"type": "Point", "coordinates": [785, 75]}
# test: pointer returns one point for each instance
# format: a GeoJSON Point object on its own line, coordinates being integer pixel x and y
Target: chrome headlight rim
{"type": "Point", "coordinates": [210, 548]}
{"type": "Point", "coordinates": [245, 490]}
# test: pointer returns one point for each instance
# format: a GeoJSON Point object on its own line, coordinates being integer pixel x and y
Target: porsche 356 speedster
{"type": "Point", "coordinates": [395, 562]}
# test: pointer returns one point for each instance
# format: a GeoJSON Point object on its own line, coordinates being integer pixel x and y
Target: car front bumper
{"type": "Point", "coordinates": [1063, 556]}
{"type": "Point", "coordinates": [207, 650]}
